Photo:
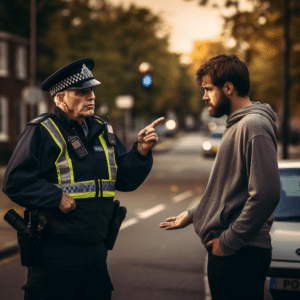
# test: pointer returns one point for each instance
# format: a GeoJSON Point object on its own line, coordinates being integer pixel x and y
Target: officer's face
{"type": "Point", "coordinates": [79, 103]}
{"type": "Point", "coordinates": [219, 104]}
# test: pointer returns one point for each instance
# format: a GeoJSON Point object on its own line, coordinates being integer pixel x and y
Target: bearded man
{"type": "Point", "coordinates": [235, 214]}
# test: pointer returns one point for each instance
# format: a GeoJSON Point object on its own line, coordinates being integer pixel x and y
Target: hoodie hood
{"type": "Point", "coordinates": [254, 108]}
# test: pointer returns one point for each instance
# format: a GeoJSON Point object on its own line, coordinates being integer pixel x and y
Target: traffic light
{"type": "Point", "coordinates": [146, 75]}
{"type": "Point", "coordinates": [146, 81]}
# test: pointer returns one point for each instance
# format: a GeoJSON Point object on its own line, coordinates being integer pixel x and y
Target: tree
{"type": "Point", "coordinates": [258, 33]}
{"type": "Point", "coordinates": [118, 39]}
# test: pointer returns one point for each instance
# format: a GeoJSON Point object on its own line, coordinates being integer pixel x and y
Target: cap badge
{"type": "Point", "coordinates": [86, 71]}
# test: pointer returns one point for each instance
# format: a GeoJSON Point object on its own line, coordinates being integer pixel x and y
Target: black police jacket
{"type": "Point", "coordinates": [31, 177]}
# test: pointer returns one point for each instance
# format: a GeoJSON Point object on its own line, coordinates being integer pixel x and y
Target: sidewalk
{"type": "Point", "coordinates": [8, 236]}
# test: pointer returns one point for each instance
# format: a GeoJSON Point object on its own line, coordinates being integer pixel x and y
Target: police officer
{"type": "Point", "coordinates": [67, 165]}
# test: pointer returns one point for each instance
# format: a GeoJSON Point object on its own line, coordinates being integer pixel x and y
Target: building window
{"type": "Point", "coordinates": [3, 58]}
{"type": "Point", "coordinates": [3, 119]}
{"type": "Point", "coordinates": [21, 63]}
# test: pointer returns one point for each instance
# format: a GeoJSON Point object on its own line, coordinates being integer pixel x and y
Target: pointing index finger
{"type": "Point", "coordinates": [156, 122]}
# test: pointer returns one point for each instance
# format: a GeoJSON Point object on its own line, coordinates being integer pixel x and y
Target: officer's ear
{"type": "Point", "coordinates": [59, 99]}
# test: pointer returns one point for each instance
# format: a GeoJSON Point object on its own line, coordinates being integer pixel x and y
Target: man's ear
{"type": "Point", "coordinates": [228, 88]}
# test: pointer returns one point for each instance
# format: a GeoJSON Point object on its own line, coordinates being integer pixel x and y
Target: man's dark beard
{"type": "Point", "coordinates": [222, 108]}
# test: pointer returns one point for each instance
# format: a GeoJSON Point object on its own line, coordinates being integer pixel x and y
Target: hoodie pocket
{"type": "Point", "coordinates": [209, 221]}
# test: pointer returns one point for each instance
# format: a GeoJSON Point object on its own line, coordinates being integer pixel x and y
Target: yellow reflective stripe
{"type": "Point", "coordinates": [109, 194]}
{"type": "Point", "coordinates": [110, 158]}
{"type": "Point", "coordinates": [71, 172]}
{"type": "Point", "coordinates": [65, 171]}
{"type": "Point", "coordinates": [87, 189]}
{"type": "Point", "coordinates": [63, 163]}
{"type": "Point", "coordinates": [61, 151]}
{"type": "Point", "coordinates": [108, 188]}
{"type": "Point", "coordinates": [115, 161]}
{"type": "Point", "coordinates": [103, 142]}
{"type": "Point", "coordinates": [112, 162]}
{"type": "Point", "coordinates": [79, 188]}
{"type": "Point", "coordinates": [84, 195]}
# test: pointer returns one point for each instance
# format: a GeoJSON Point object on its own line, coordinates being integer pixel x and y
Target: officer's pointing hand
{"type": "Point", "coordinates": [67, 203]}
{"type": "Point", "coordinates": [147, 137]}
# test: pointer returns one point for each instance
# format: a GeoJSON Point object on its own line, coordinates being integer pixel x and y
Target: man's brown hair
{"type": "Point", "coordinates": [226, 68]}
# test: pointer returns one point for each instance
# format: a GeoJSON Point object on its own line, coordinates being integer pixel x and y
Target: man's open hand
{"type": "Point", "coordinates": [67, 203]}
{"type": "Point", "coordinates": [147, 137]}
{"type": "Point", "coordinates": [180, 221]}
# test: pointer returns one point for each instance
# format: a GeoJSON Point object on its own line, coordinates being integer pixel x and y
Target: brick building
{"type": "Point", "coordinates": [15, 110]}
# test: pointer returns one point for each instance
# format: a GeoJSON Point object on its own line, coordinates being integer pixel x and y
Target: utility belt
{"type": "Point", "coordinates": [30, 231]}
{"type": "Point", "coordinates": [118, 215]}
{"type": "Point", "coordinates": [32, 228]}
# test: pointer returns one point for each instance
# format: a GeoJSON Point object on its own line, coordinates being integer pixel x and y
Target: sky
{"type": "Point", "coordinates": [186, 21]}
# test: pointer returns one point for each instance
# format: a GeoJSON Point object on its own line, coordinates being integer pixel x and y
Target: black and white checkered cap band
{"type": "Point", "coordinates": [65, 83]}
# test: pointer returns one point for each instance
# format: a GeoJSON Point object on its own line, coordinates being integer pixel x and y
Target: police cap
{"type": "Point", "coordinates": [76, 75]}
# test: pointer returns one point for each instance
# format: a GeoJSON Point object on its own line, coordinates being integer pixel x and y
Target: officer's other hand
{"type": "Point", "coordinates": [67, 203]}
{"type": "Point", "coordinates": [180, 221]}
{"type": "Point", "coordinates": [216, 249]}
{"type": "Point", "coordinates": [147, 137]}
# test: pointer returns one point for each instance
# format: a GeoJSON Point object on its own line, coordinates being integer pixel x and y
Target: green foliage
{"type": "Point", "coordinates": [259, 34]}
{"type": "Point", "coordinates": [15, 17]}
{"type": "Point", "coordinates": [118, 39]}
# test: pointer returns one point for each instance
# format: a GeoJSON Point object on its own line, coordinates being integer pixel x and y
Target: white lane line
{"type": "Point", "coordinates": [158, 208]}
{"type": "Point", "coordinates": [182, 196]}
{"type": "Point", "coordinates": [152, 211]}
{"type": "Point", "coordinates": [128, 223]}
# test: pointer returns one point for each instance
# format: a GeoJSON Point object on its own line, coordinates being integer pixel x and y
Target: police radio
{"type": "Point", "coordinates": [78, 146]}
{"type": "Point", "coordinates": [109, 133]}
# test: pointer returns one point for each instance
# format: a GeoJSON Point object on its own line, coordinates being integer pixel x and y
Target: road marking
{"type": "Point", "coordinates": [152, 211]}
{"type": "Point", "coordinates": [158, 208]}
{"type": "Point", "coordinates": [128, 223]}
{"type": "Point", "coordinates": [143, 215]}
{"type": "Point", "coordinates": [182, 196]}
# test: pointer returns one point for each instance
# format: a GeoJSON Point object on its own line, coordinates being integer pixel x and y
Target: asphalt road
{"type": "Point", "coordinates": [148, 262]}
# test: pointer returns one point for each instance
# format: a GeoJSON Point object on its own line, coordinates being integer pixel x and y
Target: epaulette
{"type": "Point", "coordinates": [40, 119]}
{"type": "Point", "coordinates": [98, 118]}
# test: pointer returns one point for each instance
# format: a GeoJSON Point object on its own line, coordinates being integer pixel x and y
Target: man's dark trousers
{"type": "Point", "coordinates": [239, 276]}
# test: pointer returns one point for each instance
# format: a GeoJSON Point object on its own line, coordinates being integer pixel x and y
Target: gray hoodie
{"type": "Point", "coordinates": [244, 186]}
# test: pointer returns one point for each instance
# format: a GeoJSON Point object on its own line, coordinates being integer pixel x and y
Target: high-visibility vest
{"type": "Point", "coordinates": [65, 171]}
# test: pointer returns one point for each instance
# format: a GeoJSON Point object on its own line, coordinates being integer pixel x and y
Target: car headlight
{"type": "Point", "coordinates": [170, 124]}
{"type": "Point", "coordinates": [206, 146]}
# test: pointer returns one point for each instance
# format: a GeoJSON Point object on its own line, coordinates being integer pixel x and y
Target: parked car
{"type": "Point", "coordinates": [167, 129]}
{"type": "Point", "coordinates": [283, 280]}
{"type": "Point", "coordinates": [212, 143]}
